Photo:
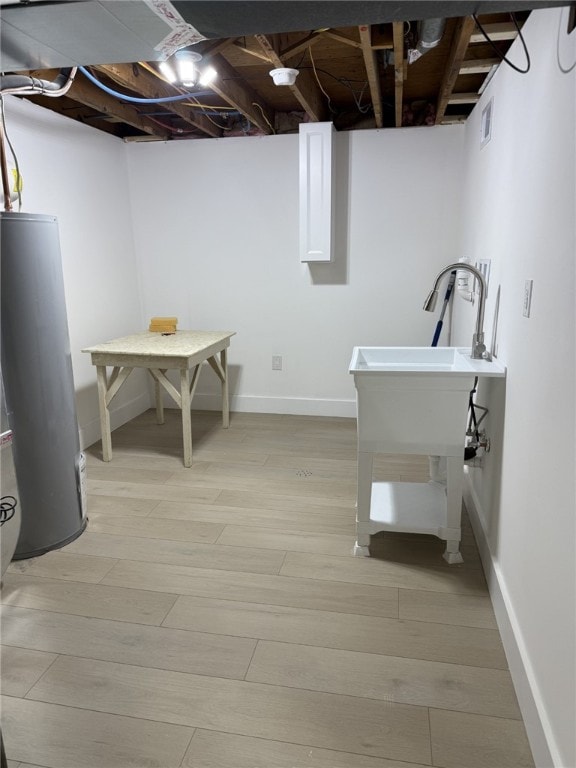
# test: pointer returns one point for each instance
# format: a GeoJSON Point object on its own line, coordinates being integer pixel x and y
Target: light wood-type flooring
{"type": "Point", "coordinates": [214, 617]}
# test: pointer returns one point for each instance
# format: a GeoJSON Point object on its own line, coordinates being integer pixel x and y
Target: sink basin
{"type": "Point", "coordinates": [422, 360]}
{"type": "Point", "coordinates": [415, 399]}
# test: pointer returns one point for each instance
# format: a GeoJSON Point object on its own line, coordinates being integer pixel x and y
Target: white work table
{"type": "Point", "coordinates": [183, 351]}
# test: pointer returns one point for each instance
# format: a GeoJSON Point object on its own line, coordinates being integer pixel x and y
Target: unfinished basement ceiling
{"type": "Point", "coordinates": [352, 59]}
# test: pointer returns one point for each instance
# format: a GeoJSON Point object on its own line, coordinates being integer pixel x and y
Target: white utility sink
{"type": "Point", "coordinates": [413, 400]}
{"type": "Point", "coordinates": [404, 360]}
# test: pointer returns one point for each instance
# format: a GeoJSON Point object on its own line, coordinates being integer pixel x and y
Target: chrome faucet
{"type": "Point", "coordinates": [478, 346]}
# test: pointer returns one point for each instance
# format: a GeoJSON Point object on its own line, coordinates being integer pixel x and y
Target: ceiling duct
{"type": "Point", "coordinates": [430, 33]}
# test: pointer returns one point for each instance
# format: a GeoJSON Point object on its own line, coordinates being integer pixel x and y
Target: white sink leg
{"type": "Point", "coordinates": [452, 555]}
{"type": "Point", "coordinates": [362, 545]}
{"type": "Point", "coordinates": [455, 474]}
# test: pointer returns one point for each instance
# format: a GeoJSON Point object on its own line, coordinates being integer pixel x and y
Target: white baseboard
{"type": "Point", "coordinates": [538, 729]}
{"type": "Point", "coordinates": [90, 432]}
{"type": "Point", "coordinates": [295, 406]}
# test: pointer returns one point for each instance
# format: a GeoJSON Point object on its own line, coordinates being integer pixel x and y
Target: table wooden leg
{"type": "Point", "coordinates": [104, 413]}
{"type": "Point", "coordinates": [186, 416]}
{"type": "Point", "coordinates": [225, 403]}
{"type": "Point", "coordinates": [159, 400]}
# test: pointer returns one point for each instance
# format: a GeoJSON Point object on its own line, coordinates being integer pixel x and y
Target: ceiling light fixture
{"type": "Point", "coordinates": [182, 69]}
{"type": "Point", "coordinates": [283, 76]}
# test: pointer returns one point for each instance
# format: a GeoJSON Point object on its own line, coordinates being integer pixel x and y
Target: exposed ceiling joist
{"type": "Point", "coordinates": [464, 98]}
{"type": "Point", "coordinates": [499, 31]}
{"type": "Point", "coordinates": [302, 45]}
{"type": "Point", "coordinates": [371, 64]}
{"type": "Point", "coordinates": [341, 38]}
{"type": "Point", "coordinates": [398, 36]}
{"type": "Point", "coordinates": [460, 41]}
{"type": "Point", "coordinates": [478, 66]}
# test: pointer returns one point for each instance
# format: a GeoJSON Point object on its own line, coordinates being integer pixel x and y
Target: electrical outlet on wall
{"type": "Point", "coordinates": [276, 362]}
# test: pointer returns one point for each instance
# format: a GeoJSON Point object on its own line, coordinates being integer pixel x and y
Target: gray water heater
{"type": "Point", "coordinates": [37, 372]}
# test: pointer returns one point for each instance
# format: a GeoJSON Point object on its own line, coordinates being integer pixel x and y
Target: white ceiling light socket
{"type": "Point", "coordinates": [283, 76]}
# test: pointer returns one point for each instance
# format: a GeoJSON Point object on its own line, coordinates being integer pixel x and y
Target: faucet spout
{"type": "Point", "coordinates": [478, 346]}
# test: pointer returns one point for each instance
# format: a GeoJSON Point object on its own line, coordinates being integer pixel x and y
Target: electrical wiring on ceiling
{"type": "Point", "coordinates": [255, 104]}
{"type": "Point", "coordinates": [319, 83]}
{"type": "Point", "coordinates": [501, 56]}
{"type": "Point", "coordinates": [132, 99]}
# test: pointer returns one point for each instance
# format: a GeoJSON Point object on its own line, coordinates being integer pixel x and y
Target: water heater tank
{"type": "Point", "coordinates": [37, 371]}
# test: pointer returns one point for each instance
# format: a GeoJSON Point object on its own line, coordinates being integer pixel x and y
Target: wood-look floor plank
{"type": "Point", "coordinates": [127, 474]}
{"type": "Point", "coordinates": [368, 570]}
{"type": "Point", "coordinates": [344, 468]}
{"type": "Point", "coordinates": [476, 741]}
{"type": "Point", "coordinates": [65, 737]}
{"type": "Point", "coordinates": [23, 765]}
{"type": "Point", "coordinates": [391, 678]}
{"type": "Point", "coordinates": [296, 541]}
{"type": "Point", "coordinates": [21, 668]}
{"type": "Point", "coordinates": [380, 729]}
{"type": "Point", "coordinates": [465, 610]}
{"type": "Point", "coordinates": [64, 565]}
{"type": "Point", "coordinates": [324, 520]}
{"type": "Point", "coordinates": [213, 749]}
{"type": "Point", "coordinates": [287, 502]}
{"type": "Point", "coordinates": [363, 599]}
{"type": "Point", "coordinates": [302, 446]}
{"type": "Point", "coordinates": [370, 634]}
{"type": "Point", "coordinates": [302, 474]}
{"type": "Point", "coordinates": [311, 489]}
{"type": "Point", "coordinates": [118, 505]}
{"type": "Point", "coordinates": [136, 605]}
{"type": "Point", "coordinates": [155, 528]}
{"type": "Point", "coordinates": [151, 491]}
{"type": "Point", "coordinates": [189, 553]}
{"type": "Point", "coordinates": [146, 646]}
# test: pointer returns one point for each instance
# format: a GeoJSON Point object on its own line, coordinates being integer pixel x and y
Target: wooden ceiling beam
{"type": "Point", "coordinates": [84, 92]}
{"type": "Point", "coordinates": [502, 31]}
{"type": "Point", "coordinates": [478, 66]}
{"type": "Point", "coordinates": [305, 89]}
{"type": "Point", "coordinates": [238, 94]}
{"type": "Point", "coordinates": [149, 86]}
{"type": "Point", "coordinates": [294, 50]}
{"type": "Point", "coordinates": [464, 98]}
{"type": "Point", "coordinates": [398, 36]}
{"type": "Point", "coordinates": [257, 54]}
{"type": "Point", "coordinates": [460, 41]}
{"type": "Point", "coordinates": [218, 47]}
{"type": "Point", "coordinates": [341, 38]}
{"type": "Point", "coordinates": [371, 64]}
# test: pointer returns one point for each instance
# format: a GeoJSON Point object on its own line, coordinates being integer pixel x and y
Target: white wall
{"type": "Point", "coordinates": [79, 174]}
{"type": "Point", "coordinates": [216, 231]}
{"type": "Point", "coordinates": [520, 211]}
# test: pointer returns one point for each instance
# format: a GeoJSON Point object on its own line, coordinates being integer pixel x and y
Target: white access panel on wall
{"type": "Point", "coordinates": [316, 191]}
